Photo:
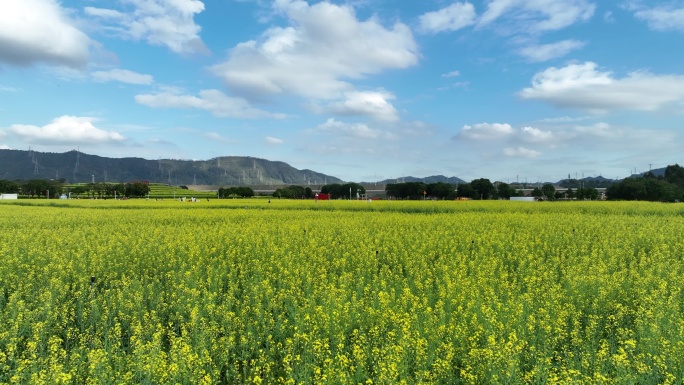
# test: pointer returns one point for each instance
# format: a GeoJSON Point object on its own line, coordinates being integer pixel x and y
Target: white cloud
{"type": "Point", "coordinates": [451, 74]}
{"type": "Point", "coordinates": [565, 119]}
{"type": "Point", "coordinates": [601, 130]}
{"type": "Point", "coordinates": [486, 131]}
{"type": "Point", "coordinates": [584, 86]}
{"type": "Point", "coordinates": [544, 52]}
{"type": "Point", "coordinates": [5, 147]}
{"type": "Point", "coordinates": [8, 89]}
{"type": "Point", "coordinates": [355, 130]}
{"type": "Point", "coordinates": [124, 76]}
{"type": "Point", "coordinates": [324, 47]}
{"type": "Point", "coordinates": [159, 22]}
{"type": "Point", "coordinates": [534, 16]}
{"type": "Point", "coordinates": [373, 104]}
{"type": "Point", "coordinates": [213, 101]}
{"type": "Point", "coordinates": [66, 130]}
{"type": "Point", "coordinates": [520, 152]}
{"type": "Point", "coordinates": [272, 140]}
{"type": "Point", "coordinates": [536, 135]}
{"type": "Point", "coordinates": [39, 31]}
{"type": "Point", "coordinates": [452, 18]}
{"type": "Point", "coordinates": [661, 18]}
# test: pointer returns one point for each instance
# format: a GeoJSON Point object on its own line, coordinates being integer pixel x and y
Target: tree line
{"type": "Point", "coordinates": [235, 192]}
{"type": "Point", "coordinates": [477, 189]}
{"type": "Point", "coordinates": [666, 188]}
{"type": "Point", "coordinates": [54, 189]}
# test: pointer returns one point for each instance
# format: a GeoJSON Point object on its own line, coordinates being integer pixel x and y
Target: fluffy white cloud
{"type": "Point", "coordinates": [39, 31]}
{"type": "Point", "coordinates": [66, 130]}
{"type": "Point", "coordinates": [487, 131]}
{"type": "Point", "coordinates": [451, 18]}
{"type": "Point", "coordinates": [544, 52]}
{"type": "Point", "coordinates": [373, 104]}
{"type": "Point", "coordinates": [272, 140]}
{"type": "Point", "coordinates": [214, 101]}
{"type": "Point", "coordinates": [324, 47]}
{"type": "Point", "coordinates": [124, 76]}
{"type": "Point", "coordinates": [532, 134]}
{"type": "Point", "coordinates": [584, 86]}
{"type": "Point", "coordinates": [534, 16]}
{"type": "Point", "coordinates": [661, 18]}
{"type": "Point", "coordinates": [168, 23]}
{"type": "Point", "coordinates": [355, 130]}
{"type": "Point", "coordinates": [520, 152]}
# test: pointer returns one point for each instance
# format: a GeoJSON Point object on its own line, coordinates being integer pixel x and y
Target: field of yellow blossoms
{"type": "Point", "coordinates": [250, 292]}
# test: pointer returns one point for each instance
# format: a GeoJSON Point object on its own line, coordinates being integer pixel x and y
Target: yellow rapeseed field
{"type": "Point", "coordinates": [250, 292]}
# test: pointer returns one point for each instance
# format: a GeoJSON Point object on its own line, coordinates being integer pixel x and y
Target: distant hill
{"type": "Point", "coordinates": [655, 171]}
{"type": "Point", "coordinates": [588, 182]}
{"type": "Point", "coordinates": [77, 167]}
{"type": "Point", "coordinates": [426, 180]}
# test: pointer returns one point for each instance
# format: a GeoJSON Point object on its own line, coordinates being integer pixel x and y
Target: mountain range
{"type": "Point", "coordinates": [78, 167]}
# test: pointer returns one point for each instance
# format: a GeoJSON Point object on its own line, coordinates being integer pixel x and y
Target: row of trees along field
{"type": "Point", "coordinates": [235, 192]}
{"type": "Point", "coordinates": [334, 191]}
{"type": "Point", "coordinates": [481, 189]}
{"type": "Point", "coordinates": [477, 189]}
{"type": "Point", "coordinates": [53, 189]}
{"type": "Point", "coordinates": [668, 187]}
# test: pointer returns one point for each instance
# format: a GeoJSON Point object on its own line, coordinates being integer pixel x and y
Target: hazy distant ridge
{"type": "Point", "coordinates": [74, 167]}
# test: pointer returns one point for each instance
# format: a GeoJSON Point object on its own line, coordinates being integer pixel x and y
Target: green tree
{"type": "Point", "coordinates": [408, 190]}
{"type": "Point", "coordinates": [483, 187]}
{"type": "Point", "coordinates": [569, 193]}
{"type": "Point", "coordinates": [35, 187]}
{"type": "Point", "coordinates": [466, 190]}
{"type": "Point", "coordinates": [646, 189]}
{"type": "Point", "coordinates": [549, 191]}
{"type": "Point", "coordinates": [235, 192]}
{"type": "Point", "coordinates": [505, 191]}
{"type": "Point", "coordinates": [8, 187]}
{"type": "Point", "coordinates": [675, 174]}
{"type": "Point", "coordinates": [116, 190]}
{"type": "Point", "coordinates": [337, 191]}
{"type": "Point", "coordinates": [587, 193]}
{"type": "Point", "coordinates": [290, 192]}
{"type": "Point", "coordinates": [137, 189]}
{"type": "Point", "coordinates": [537, 192]}
{"type": "Point", "coordinates": [441, 190]}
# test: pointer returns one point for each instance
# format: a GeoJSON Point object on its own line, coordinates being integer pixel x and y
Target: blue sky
{"type": "Point", "coordinates": [362, 89]}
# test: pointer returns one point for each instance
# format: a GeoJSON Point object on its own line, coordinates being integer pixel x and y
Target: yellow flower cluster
{"type": "Point", "coordinates": [249, 292]}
